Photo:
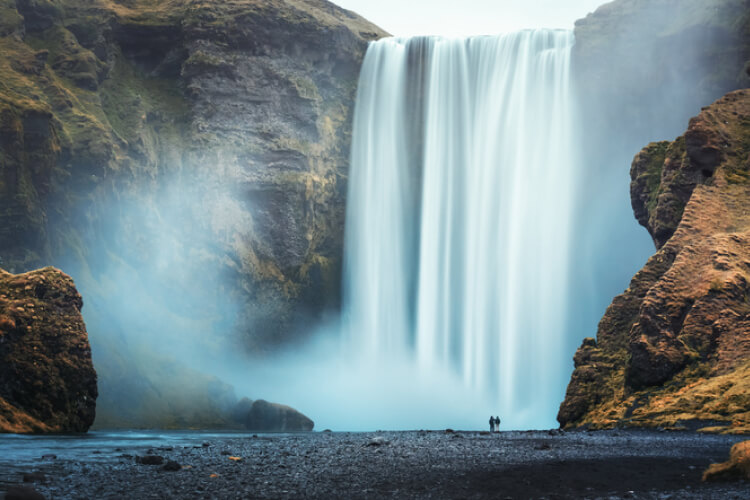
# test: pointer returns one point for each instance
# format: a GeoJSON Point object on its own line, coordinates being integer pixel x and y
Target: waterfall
{"type": "Point", "coordinates": [460, 202]}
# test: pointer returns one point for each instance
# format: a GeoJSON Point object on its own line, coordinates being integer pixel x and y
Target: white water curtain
{"type": "Point", "coordinates": [461, 194]}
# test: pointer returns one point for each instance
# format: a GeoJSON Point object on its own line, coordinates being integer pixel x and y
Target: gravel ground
{"type": "Point", "coordinates": [419, 464]}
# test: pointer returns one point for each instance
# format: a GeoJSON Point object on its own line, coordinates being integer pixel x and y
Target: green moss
{"type": "Point", "coordinates": [10, 19]}
{"type": "Point", "coordinates": [130, 99]}
{"type": "Point", "coordinates": [69, 59]}
{"type": "Point", "coordinates": [291, 144]}
{"type": "Point", "coordinates": [202, 59]}
{"type": "Point", "coordinates": [657, 154]}
{"type": "Point", "coordinates": [306, 88]}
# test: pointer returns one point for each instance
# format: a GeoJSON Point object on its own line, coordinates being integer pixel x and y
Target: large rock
{"type": "Point", "coordinates": [674, 348]}
{"type": "Point", "coordinates": [47, 379]}
{"type": "Point", "coordinates": [272, 417]}
{"type": "Point", "coordinates": [736, 468]}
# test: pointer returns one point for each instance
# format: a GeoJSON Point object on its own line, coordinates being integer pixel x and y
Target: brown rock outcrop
{"type": "Point", "coordinates": [675, 346]}
{"type": "Point", "coordinates": [47, 379]}
{"type": "Point", "coordinates": [737, 467]}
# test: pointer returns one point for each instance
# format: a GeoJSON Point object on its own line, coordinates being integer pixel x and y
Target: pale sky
{"type": "Point", "coordinates": [469, 17]}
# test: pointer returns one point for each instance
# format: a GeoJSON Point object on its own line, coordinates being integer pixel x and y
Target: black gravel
{"type": "Point", "coordinates": [419, 464]}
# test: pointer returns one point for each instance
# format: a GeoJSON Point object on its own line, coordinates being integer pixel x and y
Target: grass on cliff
{"type": "Point", "coordinates": [10, 19]}
{"type": "Point", "coordinates": [129, 99]}
{"type": "Point", "coordinates": [657, 153]}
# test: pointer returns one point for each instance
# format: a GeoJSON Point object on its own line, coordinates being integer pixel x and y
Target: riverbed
{"type": "Point", "coordinates": [415, 464]}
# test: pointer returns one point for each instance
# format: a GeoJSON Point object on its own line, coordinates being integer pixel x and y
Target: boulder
{"type": "Point", "coordinates": [150, 460]}
{"type": "Point", "coordinates": [736, 468]}
{"type": "Point", "coordinates": [272, 417]}
{"type": "Point", "coordinates": [47, 378]}
{"type": "Point", "coordinates": [241, 410]}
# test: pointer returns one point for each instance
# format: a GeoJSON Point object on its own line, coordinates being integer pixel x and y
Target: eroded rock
{"type": "Point", "coordinates": [674, 348]}
{"type": "Point", "coordinates": [47, 378]}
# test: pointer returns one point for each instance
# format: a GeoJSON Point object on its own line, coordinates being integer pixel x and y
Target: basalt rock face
{"type": "Point", "coordinates": [47, 379]}
{"type": "Point", "coordinates": [674, 349]}
{"type": "Point", "coordinates": [110, 101]}
{"type": "Point", "coordinates": [144, 143]}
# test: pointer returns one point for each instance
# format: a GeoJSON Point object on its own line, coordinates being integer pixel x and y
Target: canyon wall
{"type": "Point", "coordinates": [147, 143]}
{"type": "Point", "coordinates": [641, 69]}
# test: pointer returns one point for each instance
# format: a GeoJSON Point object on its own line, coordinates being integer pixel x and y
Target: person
{"type": "Point", "coordinates": [497, 424]}
{"type": "Point", "coordinates": [492, 423]}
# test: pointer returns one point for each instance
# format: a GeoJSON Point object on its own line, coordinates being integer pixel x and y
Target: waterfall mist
{"type": "Point", "coordinates": [456, 260]}
{"type": "Point", "coordinates": [160, 304]}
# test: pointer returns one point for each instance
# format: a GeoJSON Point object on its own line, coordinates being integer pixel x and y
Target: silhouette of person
{"type": "Point", "coordinates": [497, 424]}
{"type": "Point", "coordinates": [492, 423]}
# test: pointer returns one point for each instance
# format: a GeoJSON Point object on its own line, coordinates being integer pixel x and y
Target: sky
{"type": "Point", "coordinates": [469, 17]}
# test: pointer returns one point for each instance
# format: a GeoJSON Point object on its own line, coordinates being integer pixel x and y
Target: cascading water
{"type": "Point", "coordinates": [459, 215]}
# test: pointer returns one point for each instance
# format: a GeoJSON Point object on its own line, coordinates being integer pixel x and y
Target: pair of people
{"type": "Point", "coordinates": [494, 424]}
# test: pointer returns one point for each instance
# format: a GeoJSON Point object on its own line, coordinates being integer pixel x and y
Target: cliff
{"type": "Point", "coordinates": [47, 379]}
{"type": "Point", "coordinates": [143, 143]}
{"type": "Point", "coordinates": [645, 66]}
{"type": "Point", "coordinates": [674, 349]}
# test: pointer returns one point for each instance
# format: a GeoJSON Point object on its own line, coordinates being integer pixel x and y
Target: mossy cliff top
{"type": "Point", "coordinates": [674, 349]}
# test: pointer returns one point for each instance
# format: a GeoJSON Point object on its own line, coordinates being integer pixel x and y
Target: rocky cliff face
{"type": "Point", "coordinates": [674, 349]}
{"type": "Point", "coordinates": [641, 69]}
{"type": "Point", "coordinates": [112, 100]}
{"type": "Point", "coordinates": [642, 66]}
{"type": "Point", "coordinates": [47, 379]}
{"type": "Point", "coordinates": [143, 143]}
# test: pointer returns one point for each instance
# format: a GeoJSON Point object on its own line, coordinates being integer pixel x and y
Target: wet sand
{"type": "Point", "coordinates": [419, 464]}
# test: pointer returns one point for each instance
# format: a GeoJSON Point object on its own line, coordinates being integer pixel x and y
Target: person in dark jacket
{"type": "Point", "coordinates": [492, 423]}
